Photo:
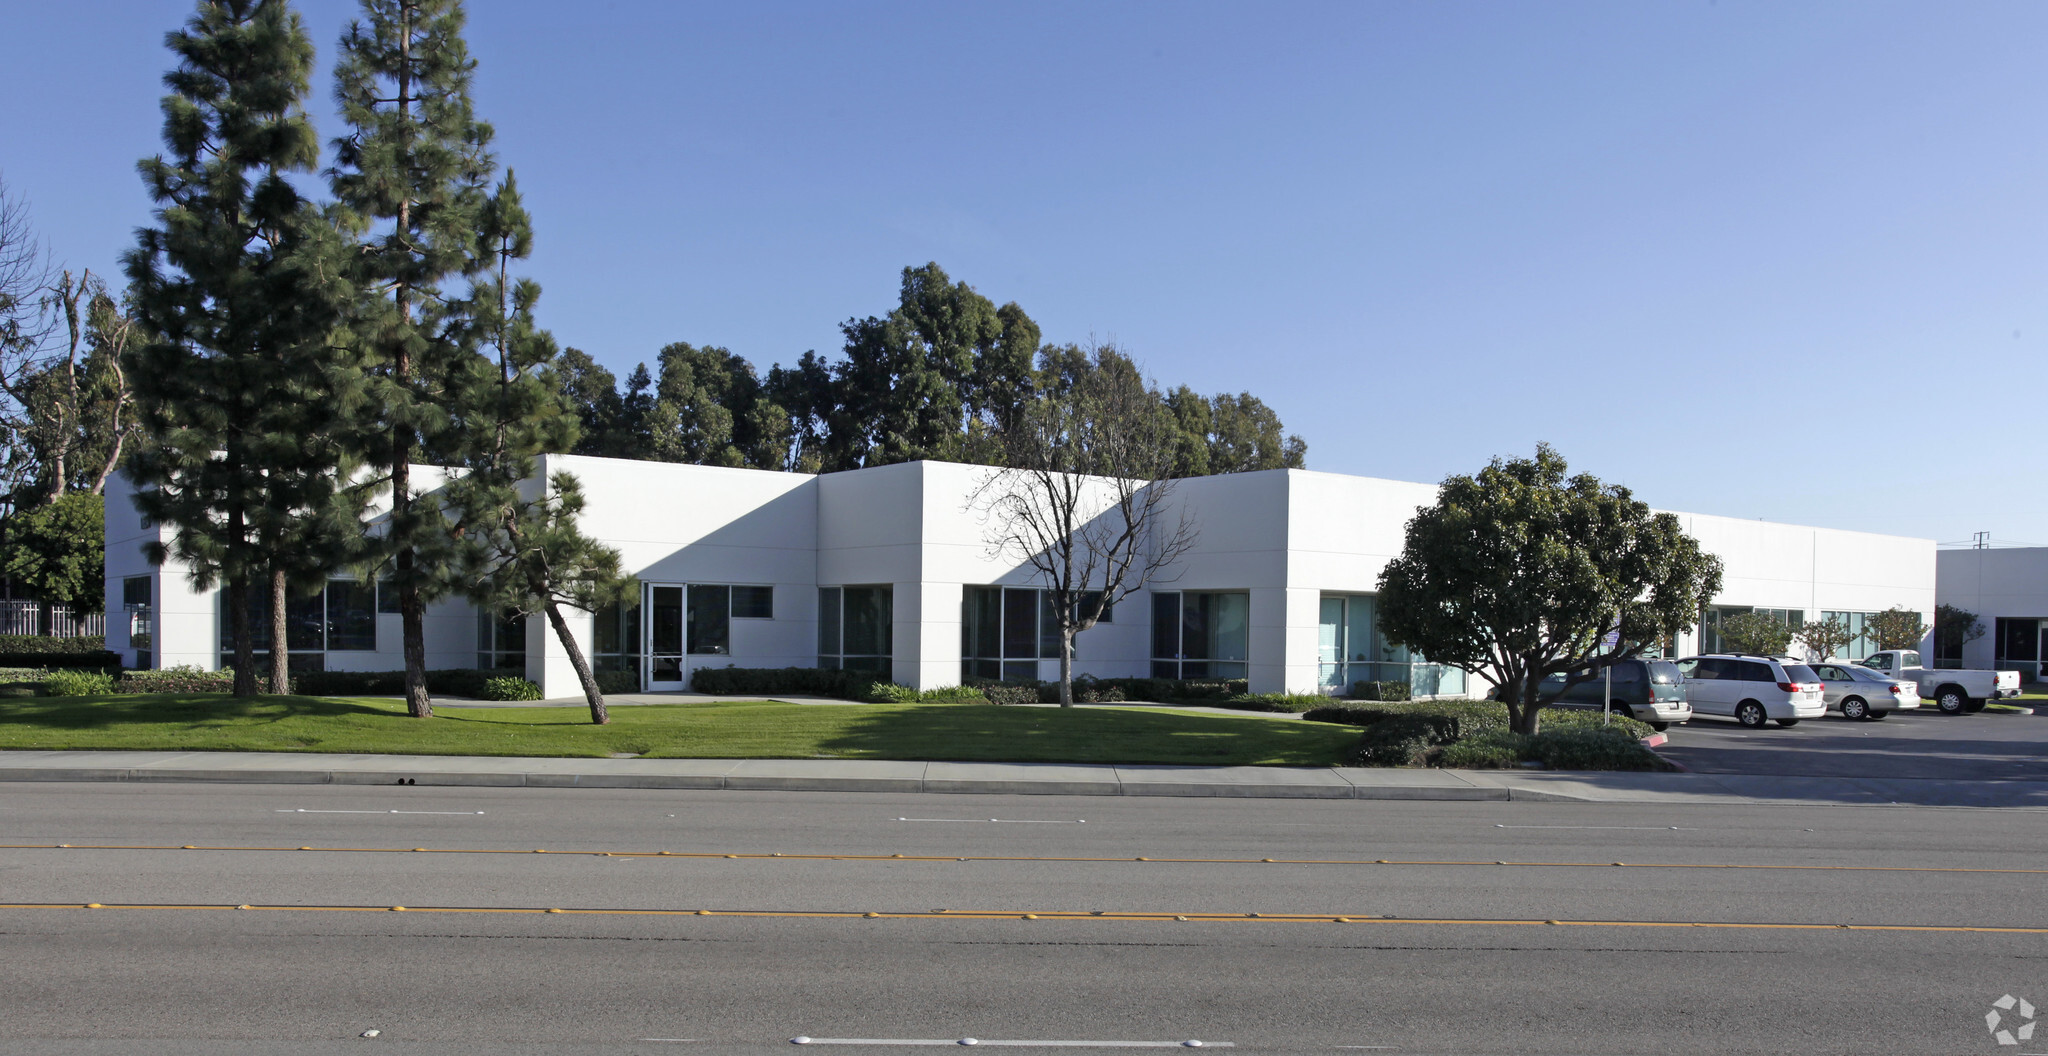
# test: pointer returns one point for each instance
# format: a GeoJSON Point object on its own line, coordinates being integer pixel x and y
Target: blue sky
{"type": "Point", "coordinates": [1762, 259]}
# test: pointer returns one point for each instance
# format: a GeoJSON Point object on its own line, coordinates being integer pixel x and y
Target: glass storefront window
{"type": "Point", "coordinates": [1351, 650]}
{"type": "Point", "coordinates": [856, 629]}
{"type": "Point", "coordinates": [1200, 634]}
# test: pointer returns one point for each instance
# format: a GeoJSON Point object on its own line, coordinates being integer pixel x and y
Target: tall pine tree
{"type": "Point", "coordinates": [521, 551]}
{"type": "Point", "coordinates": [415, 171]}
{"type": "Point", "coordinates": [240, 387]}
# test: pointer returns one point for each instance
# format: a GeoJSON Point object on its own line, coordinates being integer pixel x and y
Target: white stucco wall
{"type": "Point", "coordinates": [2009, 583]}
{"type": "Point", "coordinates": [1284, 537]}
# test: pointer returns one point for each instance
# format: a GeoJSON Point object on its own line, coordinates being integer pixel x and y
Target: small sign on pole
{"type": "Point", "coordinates": [1607, 642]}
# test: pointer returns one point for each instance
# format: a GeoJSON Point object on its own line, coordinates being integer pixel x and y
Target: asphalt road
{"type": "Point", "coordinates": [1722, 935]}
{"type": "Point", "coordinates": [1922, 743]}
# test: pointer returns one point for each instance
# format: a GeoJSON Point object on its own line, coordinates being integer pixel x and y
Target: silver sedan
{"type": "Point", "coordinates": [1860, 693]}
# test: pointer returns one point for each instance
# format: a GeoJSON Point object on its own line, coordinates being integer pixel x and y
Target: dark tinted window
{"type": "Point", "coordinates": [1630, 671]}
{"type": "Point", "coordinates": [1800, 673]}
{"type": "Point", "coordinates": [1664, 673]}
{"type": "Point", "coordinates": [1708, 670]}
{"type": "Point", "coordinates": [753, 603]}
{"type": "Point", "coordinates": [1752, 671]}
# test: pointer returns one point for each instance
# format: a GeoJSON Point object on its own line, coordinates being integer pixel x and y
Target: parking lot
{"type": "Point", "coordinates": [1910, 744]}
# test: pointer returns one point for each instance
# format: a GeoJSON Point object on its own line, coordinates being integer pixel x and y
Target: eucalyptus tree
{"type": "Point", "coordinates": [413, 174]}
{"type": "Point", "coordinates": [241, 389]}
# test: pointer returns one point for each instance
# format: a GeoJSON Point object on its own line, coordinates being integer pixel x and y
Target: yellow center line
{"type": "Point", "coordinates": [799, 857]}
{"type": "Point", "coordinates": [1070, 915]}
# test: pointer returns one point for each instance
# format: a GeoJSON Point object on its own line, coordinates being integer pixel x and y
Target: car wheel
{"type": "Point", "coordinates": [1621, 710]}
{"type": "Point", "coordinates": [1855, 708]}
{"type": "Point", "coordinates": [1951, 700]}
{"type": "Point", "coordinates": [1875, 715]}
{"type": "Point", "coordinates": [1788, 723]}
{"type": "Point", "coordinates": [1974, 705]}
{"type": "Point", "coordinates": [1751, 714]}
{"type": "Point", "coordinates": [1660, 727]}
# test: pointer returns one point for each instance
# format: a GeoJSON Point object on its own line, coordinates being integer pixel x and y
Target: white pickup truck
{"type": "Point", "coordinates": [1954, 692]}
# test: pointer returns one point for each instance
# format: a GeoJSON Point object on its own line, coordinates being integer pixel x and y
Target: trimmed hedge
{"type": "Point", "coordinates": [1291, 703]}
{"type": "Point", "coordinates": [764, 681]}
{"type": "Point", "coordinates": [465, 682]}
{"type": "Point", "coordinates": [42, 643]}
{"type": "Point", "coordinates": [1386, 691]}
{"type": "Point", "coordinates": [610, 682]}
{"type": "Point", "coordinates": [1592, 748]}
{"type": "Point", "coordinates": [88, 660]}
{"type": "Point", "coordinates": [177, 680]}
{"type": "Point", "coordinates": [1474, 734]}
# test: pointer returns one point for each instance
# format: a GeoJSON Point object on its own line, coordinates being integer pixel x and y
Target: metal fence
{"type": "Point", "coordinates": [59, 621]}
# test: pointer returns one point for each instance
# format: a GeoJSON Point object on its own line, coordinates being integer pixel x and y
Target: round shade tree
{"type": "Point", "coordinates": [1521, 572]}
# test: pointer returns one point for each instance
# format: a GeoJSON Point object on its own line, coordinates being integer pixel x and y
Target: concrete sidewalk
{"type": "Point", "coordinates": [859, 775]}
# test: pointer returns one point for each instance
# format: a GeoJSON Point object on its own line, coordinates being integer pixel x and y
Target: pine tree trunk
{"type": "Point", "coordinates": [599, 716]}
{"type": "Point", "coordinates": [1066, 667]}
{"type": "Point", "coordinates": [280, 645]}
{"type": "Point", "coordinates": [412, 611]}
{"type": "Point", "coordinates": [242, 625]}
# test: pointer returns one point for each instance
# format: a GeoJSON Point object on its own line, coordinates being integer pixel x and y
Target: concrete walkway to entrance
{"type": "Point", "coordinates": [856, 775]}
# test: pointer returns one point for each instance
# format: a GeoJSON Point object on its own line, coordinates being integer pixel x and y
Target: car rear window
{"type": "Point", "coordinates": [1751, 671]}
{"type": "Point", "coordinates": [1665, 673]}
{"type": "Point", "coordinates": [1800, 673]}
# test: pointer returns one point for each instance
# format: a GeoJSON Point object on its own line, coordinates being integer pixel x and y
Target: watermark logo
{"type": "Point", "coordinates": [2011, 1020]}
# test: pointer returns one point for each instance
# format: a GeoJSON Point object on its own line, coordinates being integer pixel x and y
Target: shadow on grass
{"type": "Point", "coordinates": [989, 733]}
{"type": "Point", "coordinates": [189, 709]}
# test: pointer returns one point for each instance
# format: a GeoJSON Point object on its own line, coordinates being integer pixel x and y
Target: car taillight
{"type": "Point", "coordinates": [1790, 687]}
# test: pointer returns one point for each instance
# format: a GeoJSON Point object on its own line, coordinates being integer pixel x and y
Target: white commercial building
{"type": "Point", "coordinates": [2007, 590]}
{"type": "Point", "coordinates": [892, 570]}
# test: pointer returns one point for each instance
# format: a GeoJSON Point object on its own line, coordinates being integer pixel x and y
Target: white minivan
{"type": "Point", "coordinates": [1753, 690]}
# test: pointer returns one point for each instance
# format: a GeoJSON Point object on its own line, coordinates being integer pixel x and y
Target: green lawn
{"type": "Point", "coordinates": [723, 730]}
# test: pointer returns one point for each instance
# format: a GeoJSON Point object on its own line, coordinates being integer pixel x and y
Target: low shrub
{"type": "Point", "coordinates": [1469, 718]}
{"type": "Point", "coordinates": [1010, 692]}
{"type": "Point", "coordinates": [609, 682]}
{"type": "Point", "coordinates": [1388, 691]}
{"type": "Point", "coordinates": [1087, 690]}
{"type": "Point", "coordinates": [78, 684]}
{"type": "Point", "coordinates": [889, 693]}
{"type": "Point", "coordinates": [1403, 740]}
{"type": "Point", "coordinates": [952, 695]}
{"type": "Point", "coordinates": [23, 690]}
{"type": "Point", "coordinates": [1591, 748]}
{"type": "Point", "coordinates": [1292, 703]}
{"type": "Point", "coordinates": [1589, 719]}
{"type": "Point", "coordinates": [351, 683]}
{"type": "Point", "coordinates": [1496, 750]}
{"type": "Point", "coordinates": [509, 687]}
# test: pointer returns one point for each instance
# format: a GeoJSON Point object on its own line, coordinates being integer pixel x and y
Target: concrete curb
{"type": "Point", "coordinates": [1049, 779]}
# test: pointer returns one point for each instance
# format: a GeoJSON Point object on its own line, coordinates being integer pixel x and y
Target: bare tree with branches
{"type": "Point", "coordinates": [1086, 498]}
{"type": "Point", "coordinates": [27, 325]}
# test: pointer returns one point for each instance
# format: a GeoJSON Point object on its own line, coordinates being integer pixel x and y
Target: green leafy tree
{"type": "Point", "coordinates": [710, 409]}
{"type": "Point", "coordinates": [1084, 498]}
{"type": "Point", "coordinates": [1756, 632]}
{"type": "Point", "coordinates": [1895, 628]}
{"type": "Point", "coordinates": [1827, 637]}
{"type": "Point", "coordinates": [1520, 571]}
{"type": "Point", "coordinates": [239, 289]}
{"type": "Point", "coordinates": [414, 174]}
{"type": "Point", "coordinates": [1954, 628]}
{"type": "Point", "coordinates": [521, 553]}
{"type": "Point", "coordinates": [58, 551]}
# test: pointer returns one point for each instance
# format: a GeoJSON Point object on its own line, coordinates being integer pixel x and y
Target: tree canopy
{"type": "Point", "coordinates": [1519, 572]}
{"type": "Point", "coordinates": [946, 374]}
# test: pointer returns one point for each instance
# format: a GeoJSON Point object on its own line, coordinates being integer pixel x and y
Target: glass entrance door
{"type": "Point", "coordinates": [665, 666]}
